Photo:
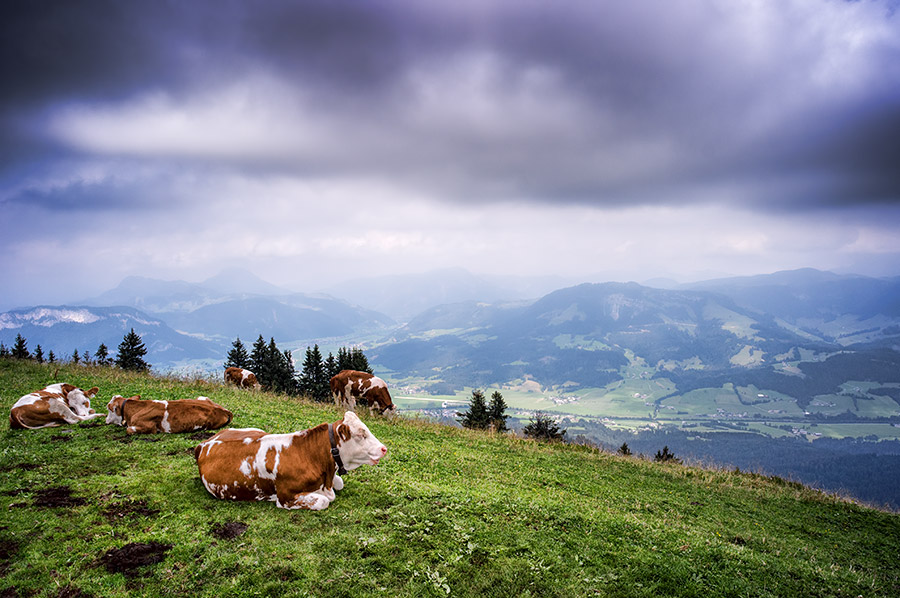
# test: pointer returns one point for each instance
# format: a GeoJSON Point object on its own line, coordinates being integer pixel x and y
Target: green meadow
{"type": "Point", "coordinates": [448, 512]}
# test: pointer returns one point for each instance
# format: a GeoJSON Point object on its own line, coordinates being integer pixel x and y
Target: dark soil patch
{"type": "Point", "coordinates": [202, 435]}
{"type": "Point", "coordinates": [9, 593]}
{"type": "Point", "coordinates": [8, 549]}
{"type": "Point", "coordinates": [119, 511]}
{"type": "Point", "coordinates": [71, 592]}
{"type": "Point", "coordinates": [57, 496]}
{"type": "Point", "coordinates": [132, 556]}
{"type": "Point", "coordinates": [229, 530]}
{"type": "Point", "coordinates": [59, 438]}
{"type": "Point", "coordinates": [19, 467]}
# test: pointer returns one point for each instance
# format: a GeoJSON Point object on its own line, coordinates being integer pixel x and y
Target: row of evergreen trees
{"type": "Point", "coordinates": [274, 369]}
{"type": "Point", "coordinates": [492, 416]}
{"type": "Point", "coordinates": [130, 355]}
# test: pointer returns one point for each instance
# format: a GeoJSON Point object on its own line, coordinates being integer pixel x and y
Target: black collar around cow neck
{"type": "Point", "coordinates": [336, 455]}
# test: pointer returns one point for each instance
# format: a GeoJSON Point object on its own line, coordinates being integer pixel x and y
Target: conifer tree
{"type": "Point", "coordinates": [130, 355]}
{"type": "Point", "coordinates": [543, 427]}
{"type": "Point", "coordinates": [476, 417]}
{"type": "Point", "coordinates": [39, 354]}
{"type": "Point", "coordinates": [51, 358]}
{"type": "Point", "coordinates": [665, 456]}
{"type": "Point", "coordinates": [4, 352]}
{"type": "Point", "coordinates": [20, 348]}
{"type": "Point", "coordinates": [314, 380]}
{"type": "Point", "coordinates": [281, 367]}
{"type": "Point", "coordinates": [359, 361]}
{"type": "Point", "coordinates": [624, 450]}
{"type": "Point", "coordinates": [238, 356]}
{"type": "Point", "coordinates": [75, 356]}
{"type": "Point", "coordinates": [102, 355]}
{"type": "Point", "coordinates": [259, 362]}
{"type": "Point", "coordinates": [332, 368]}
{"type": "Point", "coordinates": [496, 412]}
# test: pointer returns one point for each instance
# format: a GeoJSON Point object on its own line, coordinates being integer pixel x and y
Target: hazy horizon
{"type": "Point", "coordinates": [316, 142]}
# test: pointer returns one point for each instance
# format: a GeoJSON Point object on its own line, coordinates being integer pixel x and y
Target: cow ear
{"type": "Point", "coordinates": [343, 431]}
{"type": "Point", "coordinates": [66, 389]}
{"type": "Point", "coordinates": [92, 392]}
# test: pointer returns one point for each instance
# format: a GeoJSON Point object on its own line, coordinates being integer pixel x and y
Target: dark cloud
{"type": "Point", "coordinates": [599, 103]}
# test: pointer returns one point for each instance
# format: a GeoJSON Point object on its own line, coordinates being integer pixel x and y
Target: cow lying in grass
{"type": "Point", "coordinates": [170, 417]}
{"type": "Point", "coordinates": [54, 405]}
{"type": "Point", "coordinates": [299, 470]}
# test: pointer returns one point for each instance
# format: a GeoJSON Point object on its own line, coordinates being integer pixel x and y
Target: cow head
{"type": "Point", "coordinates": [79, 401]}
{"type": "Point", "coordinates": [114, 409]}
{"type": "Point", "coordinates": [357, 445]}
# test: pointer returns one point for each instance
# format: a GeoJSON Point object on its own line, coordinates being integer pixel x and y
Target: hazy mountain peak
{"type": "Point", "coordinates": [238, 281]}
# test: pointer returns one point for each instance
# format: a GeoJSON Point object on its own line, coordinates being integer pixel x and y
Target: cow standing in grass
{"type": "Point", "coordinates": [241, 378]}
{"type": "Point", "coordinates": [350, 386]}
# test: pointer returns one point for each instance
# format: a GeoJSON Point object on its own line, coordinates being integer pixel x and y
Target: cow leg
{"type": "Point", "coordinates": [147, 427]}
{"type": "Point", "coordinates": [64, 412]}
{"type": "Point", "coordinates": [314, 501]}
{"type": "Point", "coordinates": [338, 483]}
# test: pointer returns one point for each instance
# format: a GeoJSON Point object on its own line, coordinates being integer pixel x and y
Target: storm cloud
{"type": "Point", "coordinates": [778, 108]}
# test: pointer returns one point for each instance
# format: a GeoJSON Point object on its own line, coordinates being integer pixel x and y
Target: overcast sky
{"type": "Point", "coordinates": [317, 141]}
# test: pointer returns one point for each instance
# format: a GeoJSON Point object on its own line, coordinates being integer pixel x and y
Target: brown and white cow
{"type": "Point", "coordinates": [349, 386]}
{"type": "Point", "coordinates": [299, 470]}
{"type": "Point", "coordinates": [241, 378]}
{"type": "Point", "coordinates": [170, 417]}
{"type": "Point", "coordinates": [54, 405]}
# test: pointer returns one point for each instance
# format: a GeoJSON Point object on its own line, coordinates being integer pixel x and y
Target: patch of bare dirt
{"type": "Point", "coordinates": [129, 558]}
{"type": "Point", "coordinates": [227, 531]}
{"type": "Point", "coordinates": [120, 511]}
{"type": "Point", "coordinates": [19, 467]}
{"type": "Point", "coordinates": [71, 592]}
{"type": "Point", "coordinates": [57, 496]}
{"type": "Point", "coordinates": [202, 435]}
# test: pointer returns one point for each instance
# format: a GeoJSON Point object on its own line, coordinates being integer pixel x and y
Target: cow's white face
{"type": "Point", "coordinates": [362, 448]}
{"type": "Point", "coordinates": [114, 410]}
{"type": "Point", "coordinates": [80, 402]}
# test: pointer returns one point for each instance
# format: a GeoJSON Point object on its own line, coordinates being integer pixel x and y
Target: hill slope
{"type": "Point", "coordinates": [447, 512]}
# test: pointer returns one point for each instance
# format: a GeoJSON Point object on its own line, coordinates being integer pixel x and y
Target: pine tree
{"type": "Point", "coordinates": [543, 427]}
{"type": "Point", "coordinates": [624, 450]}
{"type": "Point", "coordinates": [238, 356]}
{"type": "Point", "coordinates": [665, 456]}
{"type": "Point", "coordinates": [476, 417]}
{"type": "Point", "coordinates": [4, 352]}
{"type": "Point", "coordinates": [496, 412]}
{"type": "Point", "coordinates": [75, 356]}
{"type": "Point", "coordinates": [102, 355]}
{"type": "Point", "coordinates": [86, 357]}
{"type": "Point", "coordinates": [131, 353]}
{"type": "Point", "coordinates": [39, 354]}
{"type": "Point", "coordinates": [51, 358]}
{"type": "Point", "coordinates": [359, 361]}
{"type": "Point", "coordinates": [314, 380]}
{"type": "Point", "coordinates": [332, 368]}
{"type": "Point", "coordinates": [281, 367]}
{"type": "Point", "coordinates": [20, 348]}
{"type": "Point", "coordinates": [259, 362]}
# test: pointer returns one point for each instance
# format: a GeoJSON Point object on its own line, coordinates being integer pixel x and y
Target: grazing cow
{"type": "Point", "coordinates": [349, 386]}
{"type": "Point", "coordinates": [170, 417]}
{"type": "Point", "coordinates": [54, 405]}
{"type": "Point", "coordinates": [297, 470]}
{"type": "Point", "coordinates": [241, 378]}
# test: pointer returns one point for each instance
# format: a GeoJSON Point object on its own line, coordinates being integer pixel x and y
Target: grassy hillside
{"type": "Point", "coordinates": [447, 512]}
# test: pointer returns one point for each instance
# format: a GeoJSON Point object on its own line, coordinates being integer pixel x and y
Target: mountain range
{"type": "Point", "coordinates": [577, 336]}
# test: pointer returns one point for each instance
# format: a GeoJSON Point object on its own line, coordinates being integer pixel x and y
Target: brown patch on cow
{"type": "Point", "coordinates": [129, 558]}
{"type": "Point", "coordinates": [227, 531]}
{"type": "Point", "coordinates": [119, 511]}
{"type": "Point", "coordinates": [57, 496]}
